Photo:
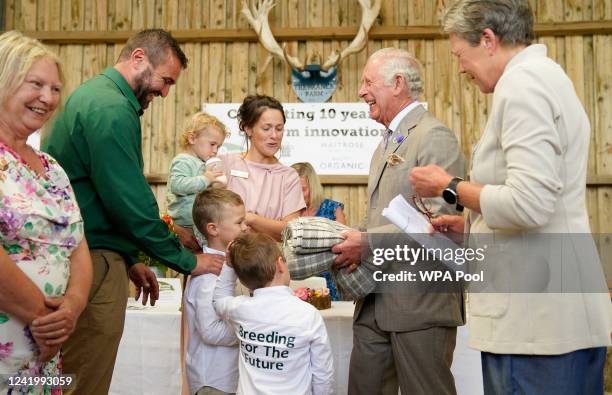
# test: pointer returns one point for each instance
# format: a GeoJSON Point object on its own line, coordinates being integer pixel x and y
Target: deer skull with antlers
{"type": "Point", "coordinates": [257, 16]}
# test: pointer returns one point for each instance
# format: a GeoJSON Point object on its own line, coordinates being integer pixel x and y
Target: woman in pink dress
{"type": "Point", "coordinates": [271, 191]}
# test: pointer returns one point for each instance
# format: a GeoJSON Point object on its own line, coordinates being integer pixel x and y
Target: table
{"type": "Point", "coordinates": [149, 357]}
{"type": "Point", "coordinates": [148, 361]}
{"type": "Point", "coordinates": [466, 366]}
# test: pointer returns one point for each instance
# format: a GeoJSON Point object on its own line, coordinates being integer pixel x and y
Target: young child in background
{"type": "Point", "coordinates": [202, 136]}
{"type": "Point", "coordinates": [317, 206]}
{"type": "Point", "coordinates": [212, 348]}
{"type": "Point", "coordinates": [284, 348]}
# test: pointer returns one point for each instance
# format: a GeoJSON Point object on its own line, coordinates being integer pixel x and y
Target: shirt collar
{"type": "Point", "coordinates": [124, 87]}
{"type": "Point", "coordinates": [527, 53]}
{"type": "Point", "coordinates": [400, 115]}
{"type": "Point", "coordinates": [277, 289]}
{"type": "Point", "coordinates": [208, 250]}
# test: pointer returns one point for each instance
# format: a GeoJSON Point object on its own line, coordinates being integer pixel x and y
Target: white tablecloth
{"type": "Point", "coordinates": [148, 360]}
{"type": "Point", "coordinates": [339, 321]}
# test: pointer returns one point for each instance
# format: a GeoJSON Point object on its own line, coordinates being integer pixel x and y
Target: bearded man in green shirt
{"type": "Point", "coordinates": [97, 140]}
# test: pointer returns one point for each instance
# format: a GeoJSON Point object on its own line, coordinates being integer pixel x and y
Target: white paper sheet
{"type": "Point", "coordinates": [403, 215]}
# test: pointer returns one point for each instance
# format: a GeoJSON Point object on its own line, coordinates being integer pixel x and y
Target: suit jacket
{"type": "Point", "coordinates": [532, 160]}
{"type": "Point", "coordinates": [426, 141]}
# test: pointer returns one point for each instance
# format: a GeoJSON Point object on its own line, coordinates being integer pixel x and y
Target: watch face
{"type": "Point", "coordinates": [449, 196]}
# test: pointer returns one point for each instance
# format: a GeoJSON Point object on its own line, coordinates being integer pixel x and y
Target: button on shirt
{"type": "Point", "coordinates": [97, 141]}
{"type": "Point", "coordinates": [212, 350]}
{"type": "Point", "coordinates": [284, 348]}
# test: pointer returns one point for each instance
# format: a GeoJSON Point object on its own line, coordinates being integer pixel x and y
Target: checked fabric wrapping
{"type": "Point", "coordinates": [307, 243]}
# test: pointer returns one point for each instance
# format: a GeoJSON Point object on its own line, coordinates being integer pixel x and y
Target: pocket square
{"type": "Point", "coordinates": [395, 159]}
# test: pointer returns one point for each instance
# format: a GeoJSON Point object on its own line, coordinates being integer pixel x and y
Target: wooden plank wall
{"type": "Point", "coordinates": [227, 71]}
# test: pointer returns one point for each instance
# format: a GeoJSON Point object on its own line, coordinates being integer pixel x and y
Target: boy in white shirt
{"type": "Point", "coordinates": [284, 348]}
{"type": "Point", "coordinates": [212, 348]}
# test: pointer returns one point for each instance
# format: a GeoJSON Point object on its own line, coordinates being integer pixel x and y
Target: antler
{"type": "Point", "coordinates": [369, 12]}
{"type": "Point", "coordinates": [257, 16]}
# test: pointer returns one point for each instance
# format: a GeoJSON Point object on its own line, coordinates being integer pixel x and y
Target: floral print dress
{"type": "Point", "coordinates": [40, 226]}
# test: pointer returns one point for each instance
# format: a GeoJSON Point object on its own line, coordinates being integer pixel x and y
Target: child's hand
{"type": "Point", "coordinates": [212, 174]}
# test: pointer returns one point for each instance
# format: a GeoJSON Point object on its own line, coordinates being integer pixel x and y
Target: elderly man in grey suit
{"type": "Point", "coordinates": [401, 338]}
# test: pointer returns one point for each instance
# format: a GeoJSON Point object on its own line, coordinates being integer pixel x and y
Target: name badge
{"type": "Point", "coordinates": [238, 173]}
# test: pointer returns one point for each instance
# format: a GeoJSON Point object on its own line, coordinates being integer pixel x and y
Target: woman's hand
{"type": "Point", "coordinates": [452, 225]}
{"type": "Point", "coordinates": [56, 327]}
{"type": "Point", "coordinates": [45, 352]}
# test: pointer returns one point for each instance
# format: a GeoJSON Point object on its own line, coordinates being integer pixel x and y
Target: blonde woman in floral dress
{"type": "Point", "coordinates": [45, 268]}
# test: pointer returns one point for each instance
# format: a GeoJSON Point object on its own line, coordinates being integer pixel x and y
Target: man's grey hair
{"type": "Point", "coordinates": [396, 61]}
{"type": "Point", "coordinates": [510, 20]}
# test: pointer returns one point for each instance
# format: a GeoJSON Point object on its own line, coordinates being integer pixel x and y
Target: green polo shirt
{"type": "Point", "coordinates": [97, 140]}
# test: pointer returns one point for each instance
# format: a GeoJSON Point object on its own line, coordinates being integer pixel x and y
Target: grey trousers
{"type": "Point", "coordinates": [418, 361]}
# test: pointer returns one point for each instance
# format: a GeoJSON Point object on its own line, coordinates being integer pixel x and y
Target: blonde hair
{"type": "Point", "coordinates": [198, 124]}
{"type": "Point", "coordinates": [253, 257]}
{"type": "Point", "coordinates": [305, 169]}
{"type": "Point", "coordinates": [17, 55]}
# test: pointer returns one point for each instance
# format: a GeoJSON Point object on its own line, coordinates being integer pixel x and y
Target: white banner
{"type": "Point", "coordinates": [336, 138]}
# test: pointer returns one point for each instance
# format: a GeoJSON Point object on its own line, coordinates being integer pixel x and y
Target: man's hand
{"type": "Point", "coordinates": [208, 263]}
{"type": "Point", "coordinates": [187, 238]}
{"type": "Point", "coordinates": [429, 181]}
{"type": "Point", "coordinates": [146, 283]}
{"type": "Point", "coordinates": [349, 250]}
{"type": "Point", "coordinates": [55, 327]}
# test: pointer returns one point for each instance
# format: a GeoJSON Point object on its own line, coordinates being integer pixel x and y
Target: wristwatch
{"type": "Point", "coordinates": [450, 194]}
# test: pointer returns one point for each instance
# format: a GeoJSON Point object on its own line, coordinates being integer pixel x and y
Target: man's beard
{"type": "Point", "coordinates": [143, 88]}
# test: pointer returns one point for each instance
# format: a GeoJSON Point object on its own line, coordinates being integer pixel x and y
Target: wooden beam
{"type": "Point", "coordinates": [592, 180]}
{"type": "Point", "coordinates": [306, 34]}
{"type": "Point", "coordinates": [595, 180]}
{"type": "Point", "coordinates": [157, 178]}
{"type": "Point", "coordinates": [573, 28]}
{"type": "Point", "coordinates": [344, 180]}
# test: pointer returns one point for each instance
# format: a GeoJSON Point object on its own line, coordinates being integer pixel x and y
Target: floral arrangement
{"type": "Point", "coordinates": [319, 298]}
{"type": "Point", "coordinates": [301, 293]}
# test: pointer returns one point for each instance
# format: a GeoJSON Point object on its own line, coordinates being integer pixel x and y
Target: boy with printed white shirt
{"type": "Point", "coordinates": [284, 347]}
{"type": "Point", "coordinates": [212, 348]}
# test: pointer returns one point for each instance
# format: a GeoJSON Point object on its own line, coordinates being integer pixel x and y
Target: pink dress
{"type": "Point", "coordinates": [272, 191]}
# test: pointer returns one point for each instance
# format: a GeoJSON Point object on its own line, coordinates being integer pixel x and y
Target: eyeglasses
{"type": "Point", "coordinates": [423, 207]}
